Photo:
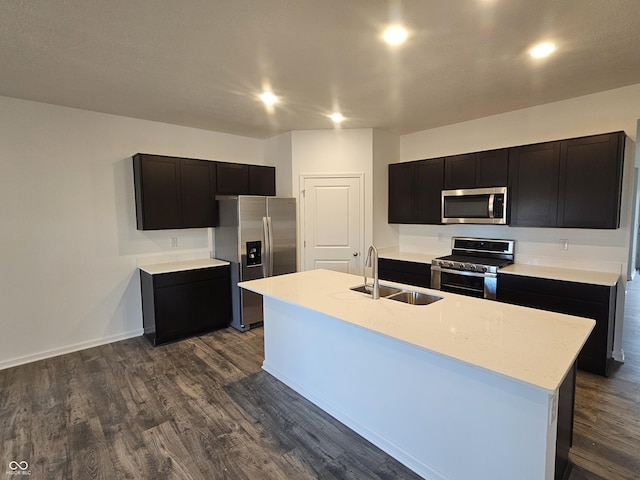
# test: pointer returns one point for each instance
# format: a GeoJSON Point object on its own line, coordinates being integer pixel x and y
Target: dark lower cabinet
{"type": "Point", "coordinates": [177, 305]}
{"type": "Point", "coordinates": [401, 271]}
{"type": "Point", "coordinates": [572, 298]}
{"type": "Point", "coordinates": [564, 438]}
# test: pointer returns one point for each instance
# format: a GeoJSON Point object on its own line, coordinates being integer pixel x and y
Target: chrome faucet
{"type": "Point", "coordinates": [373, 263]}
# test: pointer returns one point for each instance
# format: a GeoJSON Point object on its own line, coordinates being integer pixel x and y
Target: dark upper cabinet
{"type": "Point", "coordinates": [173, 192]}
{"type": "Point", "coordinates": [415, 191]}
{"type": "Point", "coordinates": [429, 178]}
{"type": "Point", "coordinates": [460, 171]}
{"type": "Point", "coordinates": [241, 179]}
{"type": "Point", "coordinates": [262, 180]}
{"type": "Point", "coordinates": [402, 180]}
{"type": "Point", "coordinates": [477, 170]}
{"type": "Point", "coordinates": [590, 181]}
{"type": "Point", "coordinates": [533, 178]}
{"type": "Point", "coordinates": [492, 168]}
{"type": "Point", "coordinates": [575, 183]}
{"type": "Point", "coordinates": [198, 180]}
{"type": "Point", "coordinates": [233, 179]}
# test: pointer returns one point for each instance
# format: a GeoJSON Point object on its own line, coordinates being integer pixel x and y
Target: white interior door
{"type": "Point", "coordinates": [332, 223]}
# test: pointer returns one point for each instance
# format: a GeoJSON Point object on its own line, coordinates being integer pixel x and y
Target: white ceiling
{"type": "Point", "coordinates": [200, 63]}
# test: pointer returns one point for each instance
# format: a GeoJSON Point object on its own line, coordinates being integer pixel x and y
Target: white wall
{"type": "Point", "coordinates": [277, 152]}
{"type": "Point", "coordinates": [386, 150]}
{"type": "Point", "coordinates": [68, 240]}
{"type": "Point", "coordinates": [603, 112]}
{"type": "Point", "coordinates": [335, 151]}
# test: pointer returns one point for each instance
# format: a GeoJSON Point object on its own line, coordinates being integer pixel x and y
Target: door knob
{"type": "Point", "coordinates": [355, 254]}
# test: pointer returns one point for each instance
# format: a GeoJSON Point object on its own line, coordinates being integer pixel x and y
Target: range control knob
{"type": "Point", "coordinates": [484, 269]}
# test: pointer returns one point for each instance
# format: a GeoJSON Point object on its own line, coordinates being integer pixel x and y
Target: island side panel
{"type": "Point", "coordinates": [440, 417]}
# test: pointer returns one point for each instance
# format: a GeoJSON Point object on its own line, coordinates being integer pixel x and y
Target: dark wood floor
{"type": "Point", "coordinates": [606, 441]}
{"type": "Point", "coordinates": [203, 409]}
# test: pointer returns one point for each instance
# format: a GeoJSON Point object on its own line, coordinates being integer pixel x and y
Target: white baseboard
{"type": "Point", "coordinates": [14, 362]}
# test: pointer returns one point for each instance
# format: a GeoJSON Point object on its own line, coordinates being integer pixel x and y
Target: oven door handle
{"type": "Point", "coordinates": [464, 272]}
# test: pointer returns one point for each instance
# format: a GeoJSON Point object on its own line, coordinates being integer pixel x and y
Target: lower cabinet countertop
{"type": "Point", "coordinates": [591, 277]}
{"type": "Point", "coordinates": [181, 266]}
{"type": "Point", "coordinates": [531, 346]}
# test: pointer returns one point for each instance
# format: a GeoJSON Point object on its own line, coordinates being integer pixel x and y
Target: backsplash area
{"type": "Point", "coordinates": [599, 250]}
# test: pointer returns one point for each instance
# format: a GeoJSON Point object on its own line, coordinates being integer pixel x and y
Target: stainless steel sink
{"type": "Point", "coordinates": [414, 298]}
{"type": "Point", "coordinates": [400, 295]}
{"type": "Point", "coordinates": [385, 290]}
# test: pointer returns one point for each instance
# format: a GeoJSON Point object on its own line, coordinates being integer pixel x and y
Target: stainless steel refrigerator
{"type": "Point", "coordinates": [257, 235]}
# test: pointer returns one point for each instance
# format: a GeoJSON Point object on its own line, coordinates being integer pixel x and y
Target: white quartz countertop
{"type": "Point", "coordinates": [531, 346]}
{"type": "Point", "coordinates": [527, 270]}
{"type": "Point", "coordinates": [171, 267]}
{"type": "Point", "coordinates": [566, 274]}
{"type": "Point", "coordinates": [409, 256]}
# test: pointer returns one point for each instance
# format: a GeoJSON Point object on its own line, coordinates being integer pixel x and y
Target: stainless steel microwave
{"type": "Point", "coordinates": [475, 205]}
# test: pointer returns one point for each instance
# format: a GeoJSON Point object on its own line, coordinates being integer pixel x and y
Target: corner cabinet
{"type": "Point", "coordinates": [180, 304]}
{"type": "Point", "coordinates": [575, 183]}
{"type": "Point", "coordinates": [415, 191]}
{"type": "Point", "coordinates": [572, 298]}
{"type": "Point", "coordinates": [173, 192]}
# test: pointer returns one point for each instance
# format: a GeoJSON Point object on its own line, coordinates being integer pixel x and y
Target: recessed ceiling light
{"type": "Point", "coordinates": [268, 98]}
{"type": "Point", "coordinates": [395, 35]}
{"type": "Point", "coordinates": [336, 117]}
{"type": "Point", "coordinates": [542, 50]}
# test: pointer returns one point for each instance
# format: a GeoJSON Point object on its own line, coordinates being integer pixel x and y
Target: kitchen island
{"type": "Point", "coordinates": [460, 388]}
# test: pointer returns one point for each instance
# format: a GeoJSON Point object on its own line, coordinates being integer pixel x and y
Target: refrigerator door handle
{"type": "Point", "coordinates": [266, 250]}
{"type": "Point", "coordinates": [270, 245]}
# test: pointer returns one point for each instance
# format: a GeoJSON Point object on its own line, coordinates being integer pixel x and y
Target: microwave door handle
{"type": "Point", "coordinates": [491, 200]}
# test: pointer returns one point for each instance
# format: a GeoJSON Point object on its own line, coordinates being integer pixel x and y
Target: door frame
{"type": "Point", "coordinates": [302, 225]}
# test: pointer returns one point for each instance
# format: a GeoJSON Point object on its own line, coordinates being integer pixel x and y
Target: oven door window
{"type": "Point", "coordinates": [463, 284]}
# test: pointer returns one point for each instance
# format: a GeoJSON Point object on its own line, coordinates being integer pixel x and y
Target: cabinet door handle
{"type": "Point", "coordinates": [355, 254]}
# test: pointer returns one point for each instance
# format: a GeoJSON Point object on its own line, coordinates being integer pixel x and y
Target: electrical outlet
{"type": "Point", "coordinates": [174, 242]}
{"type": "Point", "coordinates": [564, 244]}
{"type": "Point", "coordinates": [439, 236]}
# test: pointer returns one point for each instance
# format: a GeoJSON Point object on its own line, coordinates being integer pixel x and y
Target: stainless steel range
{"type": "Point", "coordinates": [472, 267]}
